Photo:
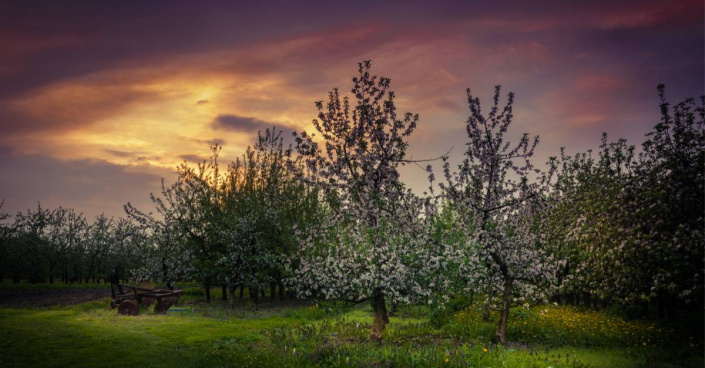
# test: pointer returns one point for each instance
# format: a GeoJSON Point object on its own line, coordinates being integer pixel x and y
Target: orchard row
{"type": "Point", "coordinates": [329, 217]}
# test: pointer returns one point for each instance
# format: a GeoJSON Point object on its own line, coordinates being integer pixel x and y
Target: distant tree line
{"type": "Point", "coordinates": [41, 245]}
{"type": "Point", "coordinates": [330, 218]}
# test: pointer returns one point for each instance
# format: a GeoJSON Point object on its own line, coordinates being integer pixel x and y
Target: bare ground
{"type": "Point", "coordinates": [45, 298]}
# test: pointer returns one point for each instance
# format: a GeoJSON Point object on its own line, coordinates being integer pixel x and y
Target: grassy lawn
{"type": "Point", "coordinates": [299, 335]}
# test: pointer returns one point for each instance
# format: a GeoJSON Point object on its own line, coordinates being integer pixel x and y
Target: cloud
{"type": "Point", "coordinates": [448, 104]}
{"type": "Point", "coordinates": [192, 158]}
{"type": "Point", "coordinates": [211, 142]}
{"type": "Point", "coordinates": [70, 105]}
{"type": "Point", "coordinates": [139, 86]}
{"type": "Point", "coordinates": [5, 151]}
{"type": "Point", "coordinates": [53, 42]}
{"type": "Point", "coordinates": [123, 154]}
{"type": "Point", "coordinates": [656, 15]}
{"type": "Point", "coordinates": [240, 123]}
{"type": "Point", "coordinates": [88, 186]}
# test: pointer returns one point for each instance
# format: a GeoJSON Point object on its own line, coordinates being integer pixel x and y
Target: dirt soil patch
{"type": "Point", "coordinates": [46, 298]}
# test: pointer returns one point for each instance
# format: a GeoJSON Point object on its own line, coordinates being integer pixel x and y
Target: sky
{"type": "Point", "coordinates": [101, 100]}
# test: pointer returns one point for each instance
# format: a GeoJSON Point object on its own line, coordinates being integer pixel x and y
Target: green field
{"type": "Point", "coordinates": [302, 334]}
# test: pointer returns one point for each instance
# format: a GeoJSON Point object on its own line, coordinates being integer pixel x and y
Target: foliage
{"type": "Point", "coordinates": [502, 207]}
{"type": "Point", "coordinates": [372, 245]}
{"type": "Point", "coordinates": [266, 203]}
{"type": "Point", "coordinates": [235, 226]}
{"type": "Point", "coordinates": [41, 244]}
{"type": "Point", "coordinates": [619, 226]}
{"type": "Point", "coordinates": [630, 226]}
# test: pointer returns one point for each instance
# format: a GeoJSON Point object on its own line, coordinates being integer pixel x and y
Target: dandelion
{"type": "Point", "coordinates": [484, 349]}
{"type": "Point", "coordinates": [447, 360]}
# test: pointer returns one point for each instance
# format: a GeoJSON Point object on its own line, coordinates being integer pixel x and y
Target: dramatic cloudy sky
{"type": "Point", "coordinates": [100, 100]}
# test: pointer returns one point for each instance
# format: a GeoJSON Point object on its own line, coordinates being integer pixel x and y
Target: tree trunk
{"type": "Point", "coordinates": [224, 291]}
{"type": "Point", "coordinates": [670, 306]}
{"type": "Point", "coordinates": [501, 335]}
{"type": "Point", "coordinates": [587, 300]}
{"type": "Point", "coordinates": [264, 295]}
{"type": "Point", "coordinates": [272, 291]}
{"type": "Point", "coordinates": [380, 310]}
{"type": "Point", "coordinates": [281, 291]}
{"type": "Point", "coordinates": [486, 310]}
{"type": "Point", "coordinates": [232, 296]}
{"type": "Point", "coordinates": [661, 310]}
{"type": "Point", "coordinates": [645, 309]}
{"type": "Point", "coordinates": [242, 291]}
{"type": "Point", "coordinates": [254, 294]}
{"type": "Point", "coordinates": [207, 287]}
{"type": "Point", "coordinates": [604, 304]}
{"type": "Point", "coordinates": [486, 306]}
{"type": "Point", "coordinates": [165, 274]}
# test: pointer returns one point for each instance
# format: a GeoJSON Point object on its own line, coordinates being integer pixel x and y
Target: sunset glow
{"type": "Point", "coordinates": [136, 91]}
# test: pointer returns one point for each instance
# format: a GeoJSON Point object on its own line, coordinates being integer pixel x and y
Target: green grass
{"type": "Point", "coordinates": [299, 335]}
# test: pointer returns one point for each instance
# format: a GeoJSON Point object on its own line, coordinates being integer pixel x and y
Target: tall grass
{"type": "Point", "coordinates": [305, 335]}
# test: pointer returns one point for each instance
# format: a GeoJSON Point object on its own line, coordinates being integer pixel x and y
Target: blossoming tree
{"type": "Point", "coordinates": [502, 196]}
{"type": "Point", "coordinates": [372, 246]}
{"type": "Point", "coordinates": [630, 226]}
{"type": "Point", "coordinates": [263, 202]}
{"type": "Point", "coordinates": [231, 226]}
{"type": "Point", "coordinates": [170, 259]}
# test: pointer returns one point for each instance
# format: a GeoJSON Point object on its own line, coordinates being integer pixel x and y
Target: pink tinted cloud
{"type": "Point", "coordinates": [589, 101]}
{"type": "Point", "coordinates": [530, 49]}
{"type": "Point", "coordinates": [89, 186]}
{"type": "Point", "coordinates": [66, 107]}
{"type": "Point", "coordinates": [654, 15]}
{"type": "Point", "coordinates": [542, 16]}
{"type": "Point", "coordinates": [17, 48]}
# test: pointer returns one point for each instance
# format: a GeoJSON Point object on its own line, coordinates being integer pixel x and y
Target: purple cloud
{"type": "Point", "coordinates": [240, 123]}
